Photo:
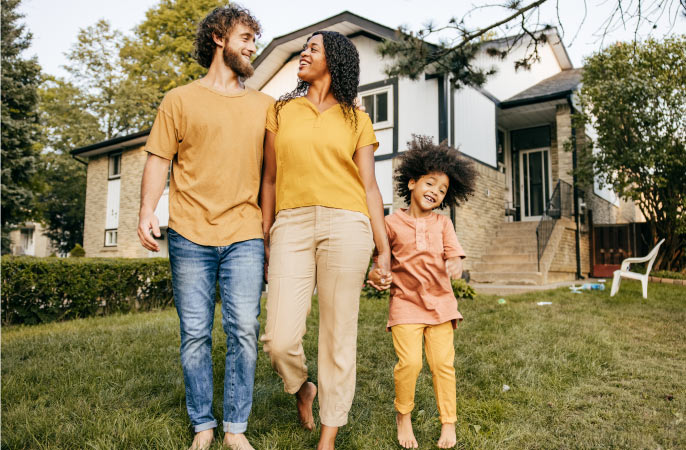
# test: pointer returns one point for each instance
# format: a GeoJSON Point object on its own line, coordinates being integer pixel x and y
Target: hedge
{"type": "Point", "coordinates": [36, 290]}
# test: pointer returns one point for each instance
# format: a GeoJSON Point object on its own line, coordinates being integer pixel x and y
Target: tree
{"type": "Point", "coordinates": [159, 56]}
{"type": "Point", "coordinates": [634, 95]}
{"type": "Point", "coordinates": [411, 55]}
{"type": "Point", "coordinates": [20, 78]}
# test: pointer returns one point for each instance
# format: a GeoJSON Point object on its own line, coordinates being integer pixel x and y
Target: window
{"type": "Point", "coordinates": [377, 104]}
{"type": "Point", "coordinates": [110, 238]}
{"type": "Point", "coordinates": [387, 209]}
{"type": "Point", "coordinates": [115, 166]}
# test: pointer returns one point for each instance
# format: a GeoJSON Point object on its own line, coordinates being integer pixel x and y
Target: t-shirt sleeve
{"type": "Point", "coordinates": [367, 136]}
{"type": "Point", "coordinates": [451, 246]}
{"type": "Point", "coordinates": [165, 136]}
{"type": "Point", "coordinates": [271, 118]}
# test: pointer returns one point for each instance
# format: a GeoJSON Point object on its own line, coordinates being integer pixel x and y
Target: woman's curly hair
{"type": "Point", "coordinates": [220, 22]}
{"type": "Point", "coordinates": [343, 62]}
{"type": "Point", "coordinates": [424, 157]}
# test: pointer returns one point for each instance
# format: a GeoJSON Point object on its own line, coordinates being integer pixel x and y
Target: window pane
{"type": "Point", "coordinates": [115, 162]}
{"type": "Point", "coordinates": [381, 107]}
{"type": "Point", "coordinates": [368, 102]}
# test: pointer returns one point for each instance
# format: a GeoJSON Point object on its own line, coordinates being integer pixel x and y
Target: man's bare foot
{"type": "Point", "coordinates": [305, 397]}
{"type": "Point", "coordinates": [327, 438]}
{"type": "Point", "coordinates": [202, 440]}
{"type": "Point", "coordinates": [406, 437]}
{"type": "Point", "coordinates": [448, 438]}
{"type": "Point", "coordinates": [237, 441]}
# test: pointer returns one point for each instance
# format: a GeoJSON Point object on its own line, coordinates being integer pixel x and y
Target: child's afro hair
{"type": "Point", "coordinates": [424, 157]}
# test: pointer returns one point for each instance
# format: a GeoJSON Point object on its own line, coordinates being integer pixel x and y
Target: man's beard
{"type": "Point", "coordinates": [235, 62]}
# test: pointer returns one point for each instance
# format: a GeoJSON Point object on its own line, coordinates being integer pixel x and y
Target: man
{"type": "Point", "coordinates": [213, 130]}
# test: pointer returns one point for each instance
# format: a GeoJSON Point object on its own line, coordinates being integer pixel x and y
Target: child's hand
{"type": "Point", "coordinates": [454, 267]}
{"type": "Point", "coordinates": [378, 280]}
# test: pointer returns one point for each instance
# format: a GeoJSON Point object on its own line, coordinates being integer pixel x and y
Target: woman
{"type": "Point", "coordinates": [318, 178]}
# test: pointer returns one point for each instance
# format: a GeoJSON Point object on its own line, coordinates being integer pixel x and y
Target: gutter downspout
{"type": "Point", "coordinates": [576, 194]}
{"type": "Point", "coordinates": [85, 163]}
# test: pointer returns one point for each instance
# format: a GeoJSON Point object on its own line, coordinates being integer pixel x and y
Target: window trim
{"type": "Point", "coordinates": [388, 90]}
{"type": "Point", "coordinates": [110, 176]}
{"type": "Point", "coordinates": [116, 231]}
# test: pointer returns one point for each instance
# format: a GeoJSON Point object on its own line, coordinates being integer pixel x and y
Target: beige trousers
{"type": "Point", "coordinates": [330, 248]}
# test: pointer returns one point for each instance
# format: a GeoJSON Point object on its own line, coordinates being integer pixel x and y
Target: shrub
{"type": "Point", "coordinates": [462, 290]}
{"type": "Point", "coordinates": [77, 251]}
{"type": "Point", "coordinates": [36, 290]}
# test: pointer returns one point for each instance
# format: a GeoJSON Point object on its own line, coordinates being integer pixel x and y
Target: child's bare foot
{"type": "Point", "coordinates": [305, 397]}
{"type": "Point", "coordinates": [448, 438]}
{"type": "Point", "coordinates": [406, 437]}
{"type": "Point", "coordinates": [237, 441]}
{"type": "Point", "coordinates": [202, 440]}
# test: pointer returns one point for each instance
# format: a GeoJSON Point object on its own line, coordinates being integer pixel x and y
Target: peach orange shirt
{"type": "Point", "coordinates": [421, 291]}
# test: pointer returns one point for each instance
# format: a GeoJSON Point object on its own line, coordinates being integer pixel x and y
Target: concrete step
{"type": "Point", "coordinates": [505, 267]}
{"type": "Point", "coordinates": [510, 258]}
{"type": "Point", "coordinates": [521, 278]}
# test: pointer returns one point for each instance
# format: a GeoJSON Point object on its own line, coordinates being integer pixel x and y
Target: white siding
{"type": "Point", "coordinates": [371, 65]}
{"type": "Point", "coordinates": [284, 81]}
{"type": "Point", "coordinates": [384, 178]}
{"type": "Point", "coordinates": [507, 81]}
{"type": "Point", "coordinates": [604, 192]}
{"type": "Point", "coordinates": [162, 210]}
{"type": "Point", "coordinates": [418, 110]}
{"type": "Point", "coordinates": [112, 218]}
{"type": "Point", "coordinates": [475, 127]}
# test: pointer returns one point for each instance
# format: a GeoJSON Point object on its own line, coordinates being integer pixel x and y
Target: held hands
{"type": "Point", "coordinates": [380, 274]}
{"type": "Point", "coordinates": [146, 222]}
{"type": "Point", "coordinates": [454, 267]}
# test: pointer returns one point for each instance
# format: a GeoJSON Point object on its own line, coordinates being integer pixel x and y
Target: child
{"type": "Point", "coordinates": [425, 254]}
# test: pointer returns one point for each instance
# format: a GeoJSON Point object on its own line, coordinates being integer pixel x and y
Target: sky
{"type": "Point", "coordinates": [55, 24]}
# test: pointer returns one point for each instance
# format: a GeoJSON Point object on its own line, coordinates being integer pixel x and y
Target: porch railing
{"type": "Point", "coordinates": [560, 204]}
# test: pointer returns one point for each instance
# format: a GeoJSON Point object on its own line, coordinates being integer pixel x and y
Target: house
{"type": "Point", "coordinates": [525, 224]}
{"type": "Point", "coordinates": [29, 239]}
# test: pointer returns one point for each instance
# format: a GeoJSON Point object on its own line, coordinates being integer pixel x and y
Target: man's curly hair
{"type": "Point", "coordinates": [219, 23]}
{"type": "Point", "coordinates": [424, 157]}
{"type": "Point", "coordinates": [343, 62]}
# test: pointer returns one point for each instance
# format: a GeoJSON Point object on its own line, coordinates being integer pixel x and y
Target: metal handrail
{"type": "Point", "coordinates": [560, 204]}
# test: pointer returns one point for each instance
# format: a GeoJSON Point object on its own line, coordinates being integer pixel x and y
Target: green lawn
{"type": "Point", "coordinates": [589, 371]}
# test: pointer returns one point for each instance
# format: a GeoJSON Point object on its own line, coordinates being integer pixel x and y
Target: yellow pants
{"type": "Point", "coordinates": [440, 353]}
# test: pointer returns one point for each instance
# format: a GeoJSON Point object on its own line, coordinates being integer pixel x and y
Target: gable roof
{"type": "Point", "coordinates": [558, 86]}
{"type": "Point", "coordinates": [281, 49]}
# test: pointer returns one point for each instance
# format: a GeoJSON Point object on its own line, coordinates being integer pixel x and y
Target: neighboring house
{"type": "Point", "coordinates": [28, 239]}
{"type": "Point", "coordinates": [514, 128]}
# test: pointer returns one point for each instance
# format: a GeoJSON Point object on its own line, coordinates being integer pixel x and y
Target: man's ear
{"type": "Point", "coordinates": [411, 184]}
{"type": "Point", "coordinates": [218, 40]}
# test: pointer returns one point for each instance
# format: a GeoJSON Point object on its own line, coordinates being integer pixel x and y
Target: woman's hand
{"type": "Point", "coordinates": [378, 279]}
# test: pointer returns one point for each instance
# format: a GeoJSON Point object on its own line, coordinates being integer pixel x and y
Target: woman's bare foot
{"type": "Point", "coordinates": [202, 440]}
{"type": "Point", "coordinates": [237, 441]}
{"type": "Point", "coordinates": [327, 439]}
{"type": "Point", "coordinates": [305, 397]}
{"type": "Point", "coordinates": [406, 437]}
{"type": "Point", "coordinates": [448, 438]}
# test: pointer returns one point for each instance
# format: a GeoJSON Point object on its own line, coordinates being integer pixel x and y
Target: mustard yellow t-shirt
{"type": "Point", "coordinates": [314, 156]}
{"type": "Point", "coordinates": [215, 141]}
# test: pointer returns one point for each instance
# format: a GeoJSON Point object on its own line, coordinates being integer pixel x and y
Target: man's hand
{"type": "Point", "coordinates": [454, 267]}
{"type": "Point", "coordinates": [148, 221]}
{"type": "Point", "coordinates": [377, 280]}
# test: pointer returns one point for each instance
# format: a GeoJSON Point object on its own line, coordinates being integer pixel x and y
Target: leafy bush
{"type": "Point", "coordinates": [462, 290]}
{"type": "Point", "coordinates": [668, 274]}
{"type": "Point", "coordinates": [77, 251]}
{"type": "Point", "coordinates": [36, 290]}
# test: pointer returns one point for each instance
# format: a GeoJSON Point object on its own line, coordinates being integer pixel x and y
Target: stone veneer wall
{"type": "Point", "coordinates": [476, 220]}
{"type": "Point", "coordinates": [132, 164]}
{"type": "Point", "coordinates": [565, 256]}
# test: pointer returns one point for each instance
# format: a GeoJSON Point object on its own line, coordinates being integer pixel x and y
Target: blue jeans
{"type": "Point", "coordinates": [195, 271]}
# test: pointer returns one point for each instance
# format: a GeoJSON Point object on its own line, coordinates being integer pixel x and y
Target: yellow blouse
{"type": "Point", "coordinates": [314, 156]}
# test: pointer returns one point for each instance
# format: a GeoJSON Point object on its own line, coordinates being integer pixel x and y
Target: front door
{"type": "Point", "coordinates": [534, 182]}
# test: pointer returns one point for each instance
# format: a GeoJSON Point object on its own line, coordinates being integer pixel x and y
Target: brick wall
{"type": "Point", "coordinates": [563, 134]}
{"type": "Point", "coordinates": [565, 255]}
{"type": "Point", "coordinates": [132, 163]}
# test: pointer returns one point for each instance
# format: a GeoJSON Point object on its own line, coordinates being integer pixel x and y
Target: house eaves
{"type": "Point", "coordinates": [557, 87]}
{"type": "Point", "coordinates": [113, 145]}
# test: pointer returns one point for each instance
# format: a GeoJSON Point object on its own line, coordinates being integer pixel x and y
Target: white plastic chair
{"type": "Point", "coordinates": [623, 272]}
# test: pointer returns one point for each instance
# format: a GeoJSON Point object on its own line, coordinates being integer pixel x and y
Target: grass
{"type": "Point", "coordinates": [588, 371]}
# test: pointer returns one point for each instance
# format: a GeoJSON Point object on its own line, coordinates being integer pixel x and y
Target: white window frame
{"type": "Point", "coordinates": [382, 90]}
{"type": "Point", "coordinates": [110, 175]}
{"type": "Point", "coordinates": [111, 237]}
